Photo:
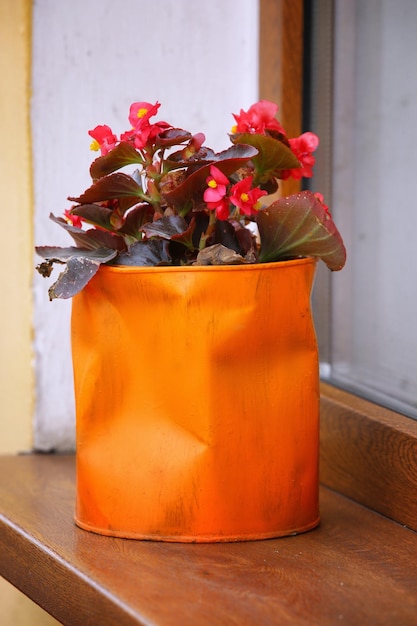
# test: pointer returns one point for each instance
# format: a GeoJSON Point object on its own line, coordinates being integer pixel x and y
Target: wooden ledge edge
{"type": "Point", "coordinates": [369, 453]}
{"type": "Point", "coordinates": [49, 570]}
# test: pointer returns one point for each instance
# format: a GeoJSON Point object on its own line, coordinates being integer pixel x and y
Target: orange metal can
{"type": "Point", "coordinates": [197, 402]}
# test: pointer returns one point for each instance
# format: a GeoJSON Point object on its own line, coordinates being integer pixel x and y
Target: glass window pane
{"type": "Point", "coordinates": [374, 332]}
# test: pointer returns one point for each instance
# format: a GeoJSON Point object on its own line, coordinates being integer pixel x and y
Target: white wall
{"type": "Point", "coordinates": [91, 59]}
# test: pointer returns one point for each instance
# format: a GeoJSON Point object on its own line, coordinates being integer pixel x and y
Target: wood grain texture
{"type": "Point", "coordinates": [281, 64]}
{"type": "Point", "coordinates": [356, 568]}
{"type": "Point", "coordinates": [369, 453]}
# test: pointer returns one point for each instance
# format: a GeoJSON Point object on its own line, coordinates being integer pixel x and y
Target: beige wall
{"type": "Point", "coordinates": [17, 610]}
{"type": "Point", "coordinates": [16, 375]}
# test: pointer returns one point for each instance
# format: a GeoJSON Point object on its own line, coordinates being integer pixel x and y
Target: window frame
{"type": "Point", "coordinates": [368, 452]}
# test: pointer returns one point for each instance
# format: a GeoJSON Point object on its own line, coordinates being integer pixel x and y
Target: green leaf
{"type": "Point", "coordinates": [273, 155]}
{"type": "Point", "coordinates": [172, 137]}
{"type": "Point", "coordinates": [298, 225]}
{"type": "Point", "coordinates": [81, 265]}
{"type": "Point", "coordinates": [94, 214]}
{"type": "Point", "coordinates": [91, 239]}
{"type": "Point", "coordinates": [228, 161]}
{"type": "Point", "coordinates": [218, 254]}
{"type": "Point", "coordinates": [152, 252]}
{"type": "Point", "coordinates": [78, 272]}
{"type": "Point", "coordinates": [57, 254]}
{"type": "Point", "coordinates": [120, 186]}
{"type": "Point", "coordinates": [105, 239]}
{"type": "Point", "coordinates": [123, 154]}
{"type": "Point", "coordinates": [191, 190]}
{"type": "Point", "coordinates": [176, 159]}
{"type": "Point", "coordinates": [171, 227]}
{"type": "Point", "coordinates": [135, 219]}
{"type": "Point", "coordinates": [81, 237]}
{"type": "Point", "coordinates": [234, 236]}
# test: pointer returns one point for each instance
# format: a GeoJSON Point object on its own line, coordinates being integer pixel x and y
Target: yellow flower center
{"type": "Point", "coordinates": [141, 113]}
{"type": "Point", "coordinates": [244, 197]}
{"type": "Point", "coordinates": [94, 145]}
{"type": "Point", "coordinates": [212, 183]}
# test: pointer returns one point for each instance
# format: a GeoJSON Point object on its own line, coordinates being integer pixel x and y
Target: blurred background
{"type": "Point", "coordinates": [344, 69]}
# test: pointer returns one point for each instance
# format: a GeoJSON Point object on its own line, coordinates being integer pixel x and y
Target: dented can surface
{"type": "Point", "coordinates": [197, 402]}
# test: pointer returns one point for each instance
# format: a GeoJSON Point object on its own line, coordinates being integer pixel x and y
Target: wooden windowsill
{"type": "Point", "coordinates": [356, 568]}
{"type": "Point", "coordinates": [369, 454]}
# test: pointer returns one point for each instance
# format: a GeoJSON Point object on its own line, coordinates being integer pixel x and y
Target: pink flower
{"type": "Point", "coordinates": [216, 186]}
{"type": "Point", "coordinates": [302, 146]}
{"type": "Point", "coordinates": [245, 198]}
{"type": "Point", "coordinates": [103, 139]}
{"type": "Point", "coordinates": [258, 118]}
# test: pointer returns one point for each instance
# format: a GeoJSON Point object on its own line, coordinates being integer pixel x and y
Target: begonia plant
{"type": "Point", "coordinates": [159, 196]}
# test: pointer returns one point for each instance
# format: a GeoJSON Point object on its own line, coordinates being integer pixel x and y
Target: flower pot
{"type": "Point", "coordinates": [197, 402]}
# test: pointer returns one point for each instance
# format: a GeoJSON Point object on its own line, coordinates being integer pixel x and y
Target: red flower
{"type": "Point", "coordinates": [216, 186]}
{"type": "Point", "coordinates": [302, 146]}
{"type": "Point", "coordinates": [142, 131]}
{"type": "Point", "coordinates": [103, 139]}
{"type": "Point", "coordinates": [245, 198]}
{"type": "Point", "coordinates": [74, 220]}
{"type": "Point", "coordinates": [140, 112]}
{"type": "Point", "coordinates": [259, 118]}
{"type": "Point", "coordinates": [320, 198]}
{"type": "Point", "coordinates": [222, 208]}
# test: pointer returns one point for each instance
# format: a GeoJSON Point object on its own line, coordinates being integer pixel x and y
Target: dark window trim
{"type": "Point", "coordinates": [368, 452]}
